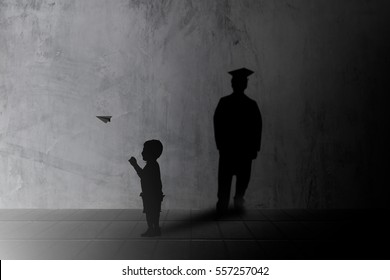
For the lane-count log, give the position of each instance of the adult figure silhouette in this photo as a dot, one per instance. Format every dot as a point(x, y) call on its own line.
point(237, 130)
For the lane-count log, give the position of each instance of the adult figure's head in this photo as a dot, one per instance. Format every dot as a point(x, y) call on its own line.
point(240, 79)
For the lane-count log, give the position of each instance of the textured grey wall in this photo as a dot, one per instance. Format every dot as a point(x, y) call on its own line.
point(159, 68)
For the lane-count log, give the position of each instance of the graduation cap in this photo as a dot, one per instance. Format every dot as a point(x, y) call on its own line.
point(104, 119)
point(241, 73)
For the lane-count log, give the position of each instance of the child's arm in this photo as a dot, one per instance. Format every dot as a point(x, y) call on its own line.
point(137, 168)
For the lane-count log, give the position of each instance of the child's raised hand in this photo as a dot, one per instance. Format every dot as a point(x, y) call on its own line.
point(133, 161)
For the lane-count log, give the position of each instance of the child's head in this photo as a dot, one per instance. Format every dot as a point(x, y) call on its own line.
point(152, 150)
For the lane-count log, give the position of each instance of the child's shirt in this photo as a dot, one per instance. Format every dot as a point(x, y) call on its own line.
point(151, 180)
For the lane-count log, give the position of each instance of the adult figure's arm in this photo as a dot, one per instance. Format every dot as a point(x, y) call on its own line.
point(258, 128)
point(218, 125)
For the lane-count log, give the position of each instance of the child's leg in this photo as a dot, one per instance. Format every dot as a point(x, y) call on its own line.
point(156, 220)
point(149, 231)
point(149, 220)
point(156, 225)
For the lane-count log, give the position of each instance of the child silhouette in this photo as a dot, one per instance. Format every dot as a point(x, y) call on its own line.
point(151, 185)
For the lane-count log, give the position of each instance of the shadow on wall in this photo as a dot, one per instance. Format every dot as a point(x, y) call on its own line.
point(237, 130)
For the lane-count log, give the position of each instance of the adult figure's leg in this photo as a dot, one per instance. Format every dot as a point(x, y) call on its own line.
point(243, 177)
point(225, 176)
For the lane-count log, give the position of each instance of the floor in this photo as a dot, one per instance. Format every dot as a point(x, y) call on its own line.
point(194, 234)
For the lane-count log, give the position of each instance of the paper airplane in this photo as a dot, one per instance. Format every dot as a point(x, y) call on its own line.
point(104, 119)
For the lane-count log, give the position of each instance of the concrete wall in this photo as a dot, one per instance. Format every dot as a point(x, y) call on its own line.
point(159, 68)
